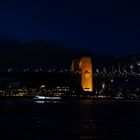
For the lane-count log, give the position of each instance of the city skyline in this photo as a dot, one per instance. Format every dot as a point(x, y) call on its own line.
point(70, 69)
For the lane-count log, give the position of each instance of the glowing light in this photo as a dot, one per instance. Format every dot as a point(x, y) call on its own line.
point(42, 86)
point(50, 98)
point(103, 85)
point(97, 70)
point(40, 102)
point(112, 80)
point(40, 97)
point(86, 73)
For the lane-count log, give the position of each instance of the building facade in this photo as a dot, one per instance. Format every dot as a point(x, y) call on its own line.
point(84, 71)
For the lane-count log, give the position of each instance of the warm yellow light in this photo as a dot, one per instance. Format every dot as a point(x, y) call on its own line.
point(86, 73)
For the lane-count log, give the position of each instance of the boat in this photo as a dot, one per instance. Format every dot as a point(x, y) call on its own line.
point(47, 98)
point(42, 99)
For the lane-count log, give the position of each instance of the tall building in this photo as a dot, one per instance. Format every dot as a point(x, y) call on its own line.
point(85, 70)
point(86, 73)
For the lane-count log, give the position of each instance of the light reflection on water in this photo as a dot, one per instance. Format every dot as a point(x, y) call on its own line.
point(84, 119)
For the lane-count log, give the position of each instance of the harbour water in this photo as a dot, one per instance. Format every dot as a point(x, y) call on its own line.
point(75, 119)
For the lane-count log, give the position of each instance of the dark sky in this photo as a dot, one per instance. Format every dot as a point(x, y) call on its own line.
point(99, 25)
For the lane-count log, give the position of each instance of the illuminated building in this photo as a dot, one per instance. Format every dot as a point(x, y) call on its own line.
point(32, 84)
point(84, 68)
point(53, 83)
point(86, 73)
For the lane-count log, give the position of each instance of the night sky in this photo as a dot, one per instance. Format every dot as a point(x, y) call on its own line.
point(99, 25)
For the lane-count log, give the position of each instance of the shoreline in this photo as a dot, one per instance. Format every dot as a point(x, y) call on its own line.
point(70, 99)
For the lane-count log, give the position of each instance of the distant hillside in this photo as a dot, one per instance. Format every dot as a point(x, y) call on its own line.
point(37, 54)
point(14, 53)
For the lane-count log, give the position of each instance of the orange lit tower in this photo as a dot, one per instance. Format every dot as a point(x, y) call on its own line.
point(86, 73)
point(84, 67)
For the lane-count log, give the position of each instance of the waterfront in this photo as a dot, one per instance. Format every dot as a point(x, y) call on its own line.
point(83, 119)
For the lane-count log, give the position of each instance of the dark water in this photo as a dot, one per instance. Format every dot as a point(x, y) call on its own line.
point(95, 120)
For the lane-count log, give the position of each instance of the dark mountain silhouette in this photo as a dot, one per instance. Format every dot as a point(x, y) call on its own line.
point(15, 53)
point(34, 54)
